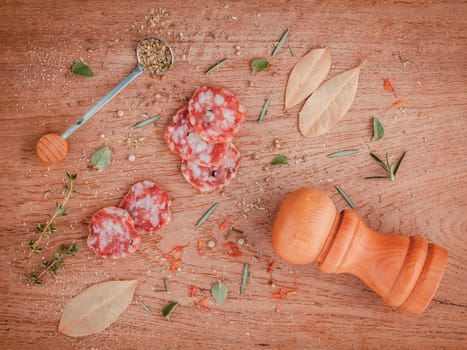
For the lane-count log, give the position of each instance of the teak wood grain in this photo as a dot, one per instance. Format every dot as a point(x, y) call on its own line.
point(421, 46)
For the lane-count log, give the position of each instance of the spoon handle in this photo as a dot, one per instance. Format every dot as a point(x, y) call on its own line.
point(137, 71)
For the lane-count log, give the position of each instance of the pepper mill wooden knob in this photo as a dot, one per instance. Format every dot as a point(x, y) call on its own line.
point(405, 271)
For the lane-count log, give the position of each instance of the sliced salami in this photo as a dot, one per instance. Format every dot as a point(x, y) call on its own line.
point(149, 205)
point(112, 233)
point(182, 139)
point(208, 179)
point(215, 113)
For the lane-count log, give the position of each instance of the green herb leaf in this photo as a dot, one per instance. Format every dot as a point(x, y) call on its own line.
point(281, 159)
point(244, 278)
point(219, 292)
point(259, 64)
point(71, 177)
point(206, 215)
point(101, 158)
point(145, 307)
point(145, 122)
point(264, 111)
point(345, 196)
point(342, 153)
point(215, 66)
point(281, 43)
point(169, 308)
point(378, 130)
point(60, 209)
point(79, 68)
point(387, 166)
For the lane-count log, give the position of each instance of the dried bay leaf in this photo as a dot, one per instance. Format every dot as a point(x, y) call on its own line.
point(306, 76)
point(96, 307)
point(329, 103)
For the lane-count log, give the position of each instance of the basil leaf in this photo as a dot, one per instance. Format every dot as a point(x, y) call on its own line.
point(79, 68)
point(259, 64)
point(169, 308)
point(219, 292)
point(101, 158)
point(378, 130)
point(281, 159)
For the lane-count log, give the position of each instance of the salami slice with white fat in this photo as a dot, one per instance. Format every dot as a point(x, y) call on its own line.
point(182, 139)
point(208, 179)
point(149, 205)
point(112, 233)
point(215, 113)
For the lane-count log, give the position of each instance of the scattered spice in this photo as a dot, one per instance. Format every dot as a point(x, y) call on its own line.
point(174, 264)
point(219, 292)
point(271, 266)
point(281, 159)
point(244, 278)
point(145, 307)
point(193, 291)
point(378, 130)
point(145, 122)
point(342, 153)
point(264, 111)
point(388, 166)
point(345, 196)
point(79, 68)
point(277, 307)
point(396, 104)
point(154, 55)
point(215, 66)
point(232, 249)
point(179, 248)
point(388, 86)
point(201, 304)
point(53, 265)
point(223, 225)
point(283, 293)
point(259, 64)
point(101, 158)
point(281, 43)
point(166, 287)
point(45, 230)
point(169, 308)
point(200, 247)
point(206, 215)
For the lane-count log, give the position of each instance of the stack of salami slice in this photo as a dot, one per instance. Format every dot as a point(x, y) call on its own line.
point(201, 134)
point(115, 231)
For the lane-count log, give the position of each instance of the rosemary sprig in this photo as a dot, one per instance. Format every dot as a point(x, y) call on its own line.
point(264, 111)
point(215, 66)
point(388, 166)
point(45, 230)
point(344, 153)
point(53, 265)
point(145, 307)
point(281, 43)
point(206, 215)
point(244, 278)
point(345, 196)
point(145, 122)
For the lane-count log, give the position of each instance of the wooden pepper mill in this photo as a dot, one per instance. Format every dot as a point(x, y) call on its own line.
point(405, 271)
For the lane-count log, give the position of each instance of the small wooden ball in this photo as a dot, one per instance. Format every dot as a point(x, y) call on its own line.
point(51, 148)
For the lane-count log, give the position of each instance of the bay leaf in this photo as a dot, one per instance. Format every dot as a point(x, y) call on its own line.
point(329, 103)
point(219, 292)
point(96, 307)
point(307, 74)
point(101, 158)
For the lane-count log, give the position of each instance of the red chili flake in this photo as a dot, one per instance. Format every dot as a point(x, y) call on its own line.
point(388, 86)
point(228, 244)
point(290, 292)
point(281, 295)
point(200, 247)
point(398, 103)
point(223, 225)
point(271, 266)
point(201, 303)
point(174, 264)
point(179, 248)
point(234, 251)
point(167, 256)
point(193, 291)
point(277, 308)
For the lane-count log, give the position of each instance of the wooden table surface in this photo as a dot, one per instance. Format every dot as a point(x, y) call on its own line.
point(421, 46)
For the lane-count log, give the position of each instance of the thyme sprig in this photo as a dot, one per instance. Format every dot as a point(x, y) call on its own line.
point(388, 166)
point(46, 229)
point(53, 265)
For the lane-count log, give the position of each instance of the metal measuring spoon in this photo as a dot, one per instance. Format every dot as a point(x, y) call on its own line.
point(52, 148)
